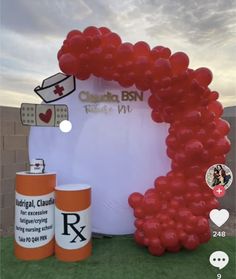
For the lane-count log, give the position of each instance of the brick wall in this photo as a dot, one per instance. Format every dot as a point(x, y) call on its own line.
point(14, 157)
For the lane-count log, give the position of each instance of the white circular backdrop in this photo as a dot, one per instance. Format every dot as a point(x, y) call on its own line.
point(114, 146)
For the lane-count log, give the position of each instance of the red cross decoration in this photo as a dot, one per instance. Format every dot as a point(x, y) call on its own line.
point(58, 90)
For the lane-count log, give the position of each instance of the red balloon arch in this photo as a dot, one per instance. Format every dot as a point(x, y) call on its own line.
point(174, 213)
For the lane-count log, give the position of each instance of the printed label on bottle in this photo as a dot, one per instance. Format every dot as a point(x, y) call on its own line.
point(72, 229)
point(34, 220)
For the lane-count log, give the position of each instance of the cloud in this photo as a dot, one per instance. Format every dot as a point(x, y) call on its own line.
point(43, 17)
point(200, 22)
point(33, 31)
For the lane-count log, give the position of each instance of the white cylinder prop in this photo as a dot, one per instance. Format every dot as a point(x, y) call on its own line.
point(34, 215)
point(73, 234)
point(114, 144)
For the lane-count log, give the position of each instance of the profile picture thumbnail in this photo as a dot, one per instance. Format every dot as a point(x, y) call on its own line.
point(219, 175)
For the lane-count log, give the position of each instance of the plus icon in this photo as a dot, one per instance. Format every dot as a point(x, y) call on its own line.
point(58, 90)
point(219, 191)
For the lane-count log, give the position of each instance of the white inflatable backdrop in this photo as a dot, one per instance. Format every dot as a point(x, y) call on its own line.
point(117, 153)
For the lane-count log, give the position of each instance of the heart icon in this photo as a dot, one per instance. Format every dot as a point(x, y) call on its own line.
point(45, 117)
point(219, 217)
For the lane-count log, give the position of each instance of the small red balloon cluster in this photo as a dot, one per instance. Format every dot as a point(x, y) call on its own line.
point(173, 214)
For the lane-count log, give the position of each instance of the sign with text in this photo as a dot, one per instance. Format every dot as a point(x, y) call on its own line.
point(34, 220)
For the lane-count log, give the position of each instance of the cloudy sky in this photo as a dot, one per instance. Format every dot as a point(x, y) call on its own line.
point(32, 32)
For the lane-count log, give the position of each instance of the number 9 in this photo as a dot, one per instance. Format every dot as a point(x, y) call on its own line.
point(219, 276)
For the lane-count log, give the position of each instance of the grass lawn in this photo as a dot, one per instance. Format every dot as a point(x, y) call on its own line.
point(120, 257)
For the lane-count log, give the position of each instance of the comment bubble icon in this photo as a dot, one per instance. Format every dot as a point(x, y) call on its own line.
point(219, 259)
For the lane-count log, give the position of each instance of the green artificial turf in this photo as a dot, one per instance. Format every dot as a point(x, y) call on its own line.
point(120, 257)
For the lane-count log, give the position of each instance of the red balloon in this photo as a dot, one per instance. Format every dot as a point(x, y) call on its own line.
point(148, 75)
point(223, 126)
point(95, 55)
point(146, 241)
point(184, 134)
point(155, 242)
point(163, 218)
point(84, 60)
point(139, 224)
point(182, 236)
point(60, 53)
point(93, 42)
point(189, 229)
point(91, 31)
point(150, 193)
point(68, 64)
point(77, 44)
point(203, 76)
point(174, 204)
point(139, 212)
point(198, 208)
point(193, 187)
point(141, 85)
point(171, 224)
point(165, 53)
point(104, 30)
point(161, 183)
point(156, 251)
point(192, 221)
point(214, 96)
point(171, 141)
point(153, 102)
point(125, 81)
point(169, 238)
point(160, 52)
point(174, 249)
point(202, 225)
point(222, 146)
point(135, 199)
point(216, 107)
point(192, 117)
point(141, 49)
point(183, 214)
point(156, 117)
point(179, 62)
point(162, 68)
point(177, 186)
point(112, 39)
point(151, 205)
point(83, 74)
point(108, 60)
point(201, 134)
point(193, 147)
point(125, 51)
point(191, 242)
point(205, 237)
point(141, 64)
point(151, 228)
point(73, 33)
point(212, 204)
point(139, 237)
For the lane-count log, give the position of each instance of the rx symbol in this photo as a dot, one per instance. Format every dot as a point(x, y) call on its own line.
point(68, 224)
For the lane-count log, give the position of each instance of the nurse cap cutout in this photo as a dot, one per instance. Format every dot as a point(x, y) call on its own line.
point(55, 87)
point(174, 212)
